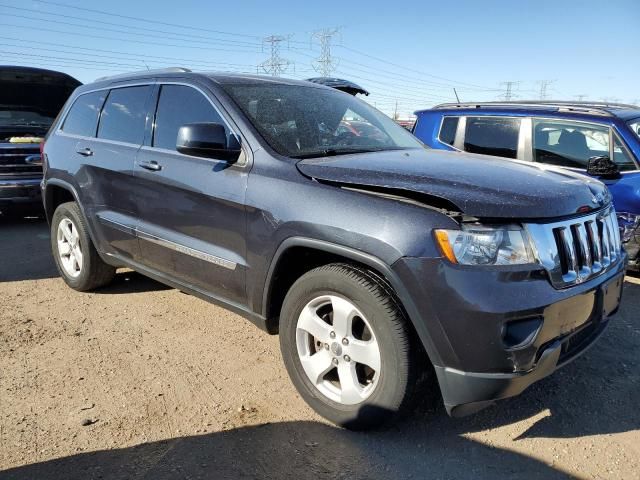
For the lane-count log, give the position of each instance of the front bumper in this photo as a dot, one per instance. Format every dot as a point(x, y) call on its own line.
point(20, 193)
point(464, 316)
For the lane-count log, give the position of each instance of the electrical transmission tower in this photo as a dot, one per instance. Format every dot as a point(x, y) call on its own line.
point(544, 85)
point(580, 97)
point(325, 64)
point(508, 94)
point(275, 65)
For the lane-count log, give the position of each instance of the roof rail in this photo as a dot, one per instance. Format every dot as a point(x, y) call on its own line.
point(578, 107)
point(144, 72)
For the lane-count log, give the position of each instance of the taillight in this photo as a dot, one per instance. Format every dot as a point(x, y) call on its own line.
point(42, 147)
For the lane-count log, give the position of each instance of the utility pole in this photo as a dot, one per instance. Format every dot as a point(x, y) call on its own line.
point(580, 97)
point(325, 64)
point(395, 111)
point(275, 65)
point(544, 85)
point(508, 94)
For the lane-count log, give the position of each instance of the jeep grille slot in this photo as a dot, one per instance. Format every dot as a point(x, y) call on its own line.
point(576, 250)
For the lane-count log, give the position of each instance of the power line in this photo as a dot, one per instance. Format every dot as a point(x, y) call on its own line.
point(228, 43)
point(146, 56)
point(146, 20)
point(325, 64)
point(93, 21)
point(275, 65)
point(413, 70)
point(128, 41)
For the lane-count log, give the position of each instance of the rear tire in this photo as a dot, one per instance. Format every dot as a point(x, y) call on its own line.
point(360, 372)
point(76, 258)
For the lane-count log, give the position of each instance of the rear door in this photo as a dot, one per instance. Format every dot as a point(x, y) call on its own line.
point(106, 174)
point(192, 223)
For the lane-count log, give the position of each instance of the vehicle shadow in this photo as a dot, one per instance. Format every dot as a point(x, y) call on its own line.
point(129, 281)
point(25, 250)
point(297, 450)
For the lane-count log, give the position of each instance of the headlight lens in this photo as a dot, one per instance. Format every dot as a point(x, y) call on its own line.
point(479, 245)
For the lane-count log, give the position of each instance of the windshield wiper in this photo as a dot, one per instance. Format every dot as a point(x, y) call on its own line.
point(333, 152)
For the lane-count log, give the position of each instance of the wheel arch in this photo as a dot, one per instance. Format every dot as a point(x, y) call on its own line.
point(319, 252)
point(57, 192)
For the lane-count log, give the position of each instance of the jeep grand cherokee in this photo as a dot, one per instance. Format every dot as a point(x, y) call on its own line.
point(377, 260)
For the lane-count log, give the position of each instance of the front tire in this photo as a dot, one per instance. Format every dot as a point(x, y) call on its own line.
point(76, 258)
point(347, 346)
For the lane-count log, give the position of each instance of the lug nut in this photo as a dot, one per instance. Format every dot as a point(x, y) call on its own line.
point(334, 361)
point(326, 346)
point(345, 341)
point(347, 358)
point(332, 334)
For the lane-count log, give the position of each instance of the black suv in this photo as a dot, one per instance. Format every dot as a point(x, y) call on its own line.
point(377, 260)
point(30, 99)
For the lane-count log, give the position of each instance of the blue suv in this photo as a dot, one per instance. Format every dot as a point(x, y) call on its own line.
point(577, 136)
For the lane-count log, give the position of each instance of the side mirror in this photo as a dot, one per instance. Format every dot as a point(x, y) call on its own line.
point(207, 140)
point(603, 167)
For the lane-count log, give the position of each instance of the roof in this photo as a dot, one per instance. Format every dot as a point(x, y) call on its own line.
point(218, 77)
point(592, 109)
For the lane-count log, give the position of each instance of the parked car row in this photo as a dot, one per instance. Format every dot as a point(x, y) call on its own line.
point(378, 261)
point(567, 135)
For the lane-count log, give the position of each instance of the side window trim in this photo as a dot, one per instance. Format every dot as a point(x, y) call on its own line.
point(444, 117)
point(616, 138)
point(60, 126)
point(574, 122)
point(151, 86)
point(458, 141)
point(462, 128)
point(246, 156)
point(525, 141)
point(201, 92)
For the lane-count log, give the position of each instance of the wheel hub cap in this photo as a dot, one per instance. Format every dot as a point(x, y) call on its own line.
point(324, 360)
point(69, 249)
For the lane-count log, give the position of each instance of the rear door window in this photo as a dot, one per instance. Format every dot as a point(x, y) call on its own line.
point(448, 130)
point(492, 136)
point(177, 106)
point(572, 144)
point(124, 115)
point(82, 118)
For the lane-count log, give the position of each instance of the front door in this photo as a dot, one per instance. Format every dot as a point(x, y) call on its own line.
point(191, 209)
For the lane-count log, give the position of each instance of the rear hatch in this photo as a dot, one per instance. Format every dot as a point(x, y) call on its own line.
point(30, 99)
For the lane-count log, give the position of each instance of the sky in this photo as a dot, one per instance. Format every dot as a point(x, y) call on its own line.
point(409, 55)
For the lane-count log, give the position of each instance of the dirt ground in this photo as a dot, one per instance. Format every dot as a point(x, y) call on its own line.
point(142, 381)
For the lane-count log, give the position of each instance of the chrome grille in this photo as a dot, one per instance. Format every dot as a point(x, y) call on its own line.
point(575, 250)
point(13, 160)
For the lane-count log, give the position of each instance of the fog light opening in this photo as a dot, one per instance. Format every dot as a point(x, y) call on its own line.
point(519, 334)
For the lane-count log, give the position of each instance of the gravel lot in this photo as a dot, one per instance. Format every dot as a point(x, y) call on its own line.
point(142, 381)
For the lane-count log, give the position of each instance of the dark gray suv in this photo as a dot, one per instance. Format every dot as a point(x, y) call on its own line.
point(379, 261)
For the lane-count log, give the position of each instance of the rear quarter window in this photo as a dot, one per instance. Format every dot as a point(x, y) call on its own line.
point(492, 136)
point(82, 118)
point(448, 130)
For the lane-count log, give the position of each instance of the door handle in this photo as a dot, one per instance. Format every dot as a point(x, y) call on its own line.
point(85, 152)
point(150, 165)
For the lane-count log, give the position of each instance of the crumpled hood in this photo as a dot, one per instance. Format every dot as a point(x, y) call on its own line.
point(478, 185)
